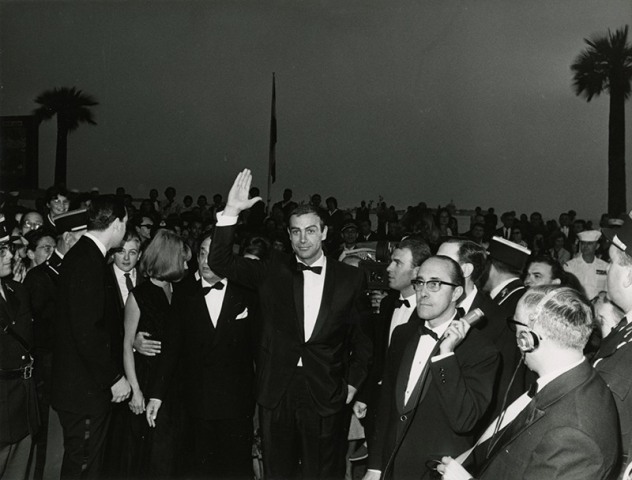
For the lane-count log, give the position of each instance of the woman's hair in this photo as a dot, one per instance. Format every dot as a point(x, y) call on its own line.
point(165, 257)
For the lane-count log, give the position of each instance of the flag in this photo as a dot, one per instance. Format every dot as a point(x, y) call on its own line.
point(273, 135)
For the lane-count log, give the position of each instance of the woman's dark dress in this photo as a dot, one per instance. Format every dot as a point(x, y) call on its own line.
point(153, 451)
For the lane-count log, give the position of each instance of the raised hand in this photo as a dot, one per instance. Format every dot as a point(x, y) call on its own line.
point(238, 200)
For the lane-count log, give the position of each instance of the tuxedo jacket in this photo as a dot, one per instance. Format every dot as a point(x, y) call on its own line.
point(18, 402)
point(569, 431)
point(87, 350)
point(41, 285)
point(613, 362)
point(215, 363)
point(448, 401)
point(379, 329)
point(495, 327)
point(338, 352)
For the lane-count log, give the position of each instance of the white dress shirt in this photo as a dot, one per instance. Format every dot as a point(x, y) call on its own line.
point(402, 314)
point(120, 280)
point(466, 303)
point(422, 355)
point(214, 299)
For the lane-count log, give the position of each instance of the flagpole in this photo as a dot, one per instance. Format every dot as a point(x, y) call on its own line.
point(273, 139)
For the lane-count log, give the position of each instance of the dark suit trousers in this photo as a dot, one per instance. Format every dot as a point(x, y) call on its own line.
point(84, 444)
point(294, 430)
point(222, 448)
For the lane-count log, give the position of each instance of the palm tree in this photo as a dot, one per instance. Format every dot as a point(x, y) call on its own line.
point(72, 109)
point(606, 66)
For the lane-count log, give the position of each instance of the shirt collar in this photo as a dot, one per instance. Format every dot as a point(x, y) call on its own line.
point(97, 242)
point(120, 273)
point(549, 377)
point(198, 277)
point(61, 255)
point(466, 303)
point(495, 291)
point(318, 263)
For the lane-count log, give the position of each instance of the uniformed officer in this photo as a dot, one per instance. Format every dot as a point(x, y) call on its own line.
point(18, 408)
point(589, 270)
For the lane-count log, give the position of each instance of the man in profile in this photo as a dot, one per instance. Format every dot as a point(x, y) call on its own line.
point(87, 352)
point(314, 353)
point(565, 427)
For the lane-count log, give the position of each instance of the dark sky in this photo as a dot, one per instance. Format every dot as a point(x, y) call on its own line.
point(426, 100)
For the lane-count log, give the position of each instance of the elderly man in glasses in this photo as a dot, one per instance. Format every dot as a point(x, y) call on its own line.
point(438, 380)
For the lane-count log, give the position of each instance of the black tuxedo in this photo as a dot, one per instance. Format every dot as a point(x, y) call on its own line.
point(495, 327)
point(612, 361)
point(87, 356)
point(215, 366)
point(567, 432)
point(336, 355)
point(449, 399)
point(379, 331)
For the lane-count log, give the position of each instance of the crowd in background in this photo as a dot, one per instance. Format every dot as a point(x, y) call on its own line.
point(159, 265)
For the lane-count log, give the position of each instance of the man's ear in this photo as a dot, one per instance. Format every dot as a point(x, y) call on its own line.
point(467, 269)
point(458, 292)
point(324, 235)
point(627, 280)
point(30, 254)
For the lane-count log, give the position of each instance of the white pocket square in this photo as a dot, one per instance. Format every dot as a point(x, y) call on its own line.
point(243, 314)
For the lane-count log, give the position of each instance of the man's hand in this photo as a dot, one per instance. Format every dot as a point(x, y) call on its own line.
point(372, 475)
point(351, 391)
point(454, 335)
point(359, 408)
point(450, 469)
point(238, 200)
point(152, 411)
point(376, 298)
point(120, 390)
point(149, 348)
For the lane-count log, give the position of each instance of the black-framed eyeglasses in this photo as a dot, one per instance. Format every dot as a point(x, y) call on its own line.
point(513, 323)
point(147, 225)
point(431, 285)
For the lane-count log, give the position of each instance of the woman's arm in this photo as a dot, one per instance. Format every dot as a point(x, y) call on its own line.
point(132, 315)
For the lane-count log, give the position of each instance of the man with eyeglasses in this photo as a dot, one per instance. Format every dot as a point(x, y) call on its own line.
point(18, 408)
point(41, 245)
point(438, 380)
point(145, 228)
point(30, 221)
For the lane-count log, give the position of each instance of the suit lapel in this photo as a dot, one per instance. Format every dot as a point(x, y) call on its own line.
point(230, 308)
point(611, 343)
point(297, 287)
point(328, 294)
point(536, 409)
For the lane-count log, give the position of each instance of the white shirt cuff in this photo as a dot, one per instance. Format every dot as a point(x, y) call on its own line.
point(225, 220)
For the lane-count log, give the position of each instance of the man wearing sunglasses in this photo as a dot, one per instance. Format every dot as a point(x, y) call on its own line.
point(438, 380)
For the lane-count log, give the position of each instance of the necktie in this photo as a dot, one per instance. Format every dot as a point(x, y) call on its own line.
point(301, 267)
point(215, 286)
point(128, 282)
point(423, 330)
point(399, 302)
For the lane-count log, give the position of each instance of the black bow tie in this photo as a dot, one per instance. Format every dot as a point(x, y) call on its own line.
point(533, 389)
point(301, 267)
point(423, 330)
point(215, 286)
point(399, 302)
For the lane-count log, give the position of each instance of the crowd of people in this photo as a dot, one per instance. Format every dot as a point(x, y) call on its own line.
point(168, 340)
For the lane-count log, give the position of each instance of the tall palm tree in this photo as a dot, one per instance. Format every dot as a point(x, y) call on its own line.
point(72, 109)
point(606, 66)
